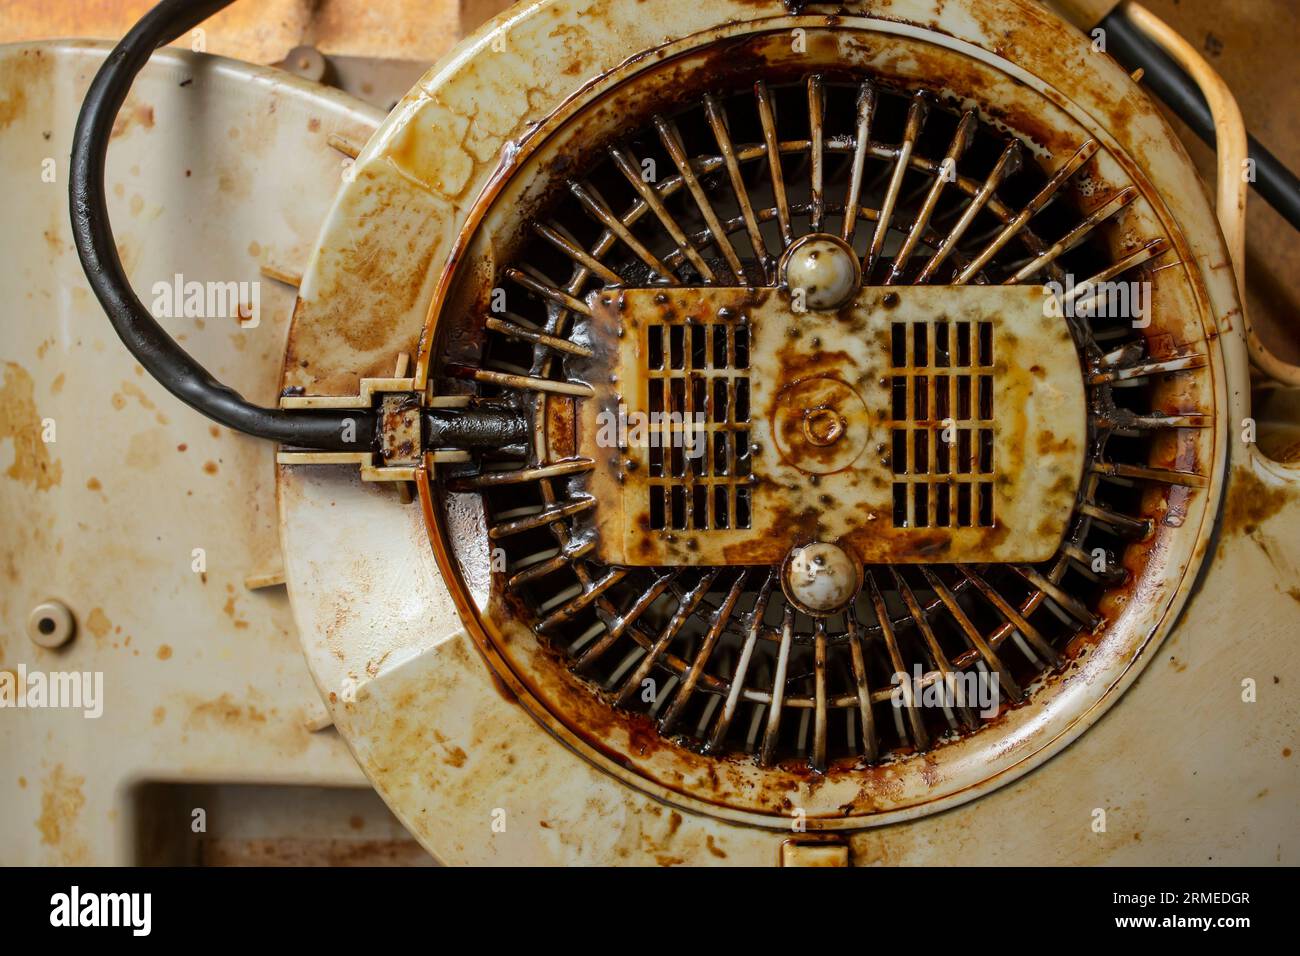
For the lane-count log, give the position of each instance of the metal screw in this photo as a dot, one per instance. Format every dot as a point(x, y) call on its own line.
point(821, 578)
point(51, 624)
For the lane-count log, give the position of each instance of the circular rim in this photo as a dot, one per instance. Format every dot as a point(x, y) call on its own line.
point(488, 632)
point(340, 634)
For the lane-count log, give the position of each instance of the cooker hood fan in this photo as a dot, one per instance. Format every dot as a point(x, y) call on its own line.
point(705, 566)
point(727, 362)
point(922, 467)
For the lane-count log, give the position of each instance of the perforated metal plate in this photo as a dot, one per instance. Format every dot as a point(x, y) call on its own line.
point(913, 425)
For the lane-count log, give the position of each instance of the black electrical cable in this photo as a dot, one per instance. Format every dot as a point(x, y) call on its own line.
point(158, 352)
point(1128, 45)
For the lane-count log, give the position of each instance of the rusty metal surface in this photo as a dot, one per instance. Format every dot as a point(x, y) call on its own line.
point(705, 766)
point(417, 184)
point(674, 495)
point(216, 169)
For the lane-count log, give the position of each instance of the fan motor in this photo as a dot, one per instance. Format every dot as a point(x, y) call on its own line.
point(860, 362)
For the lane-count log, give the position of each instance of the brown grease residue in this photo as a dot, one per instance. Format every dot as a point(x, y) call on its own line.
point(61, 804)
point(21, 422)
point(18, 75)
point(226, 710)
point(453, 756)
point(97, 623)
point(1251, 502)
point(132, 115)
point(229, 609)
point(132, 390)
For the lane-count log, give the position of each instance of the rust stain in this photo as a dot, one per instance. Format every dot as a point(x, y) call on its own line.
point(229, 609)
point(1251, 502)
point(18, 75)
point(132, 390)
point(132, 115)
point(14, 106)
point(227, 711)
point(164, 652)
point(21, 422)
point(62, 801)
point(453, 756)
point(97, 623)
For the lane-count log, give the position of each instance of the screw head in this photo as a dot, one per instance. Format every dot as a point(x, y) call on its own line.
point(823, 426)
point(826, 268)
point(51, 624)
point(821, 578)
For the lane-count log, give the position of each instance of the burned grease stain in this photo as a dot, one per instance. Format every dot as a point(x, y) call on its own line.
point(21, 423)
point(1250, 502)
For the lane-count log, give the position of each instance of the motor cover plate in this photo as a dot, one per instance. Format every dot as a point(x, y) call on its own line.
point(913, 425)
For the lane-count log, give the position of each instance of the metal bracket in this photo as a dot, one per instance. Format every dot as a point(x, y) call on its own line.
point(400, 455)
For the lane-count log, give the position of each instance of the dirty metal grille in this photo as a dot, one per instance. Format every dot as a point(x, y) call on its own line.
point(941, 390)
point(690, 368)
point(715, 655)
point(821, 437)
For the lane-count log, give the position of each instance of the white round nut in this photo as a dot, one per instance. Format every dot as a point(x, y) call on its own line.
point(821, 578)
point(50, 624)
point(825, 268)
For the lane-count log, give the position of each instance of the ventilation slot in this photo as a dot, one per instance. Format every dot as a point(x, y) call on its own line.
point(941, 401)
point(697, 406)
